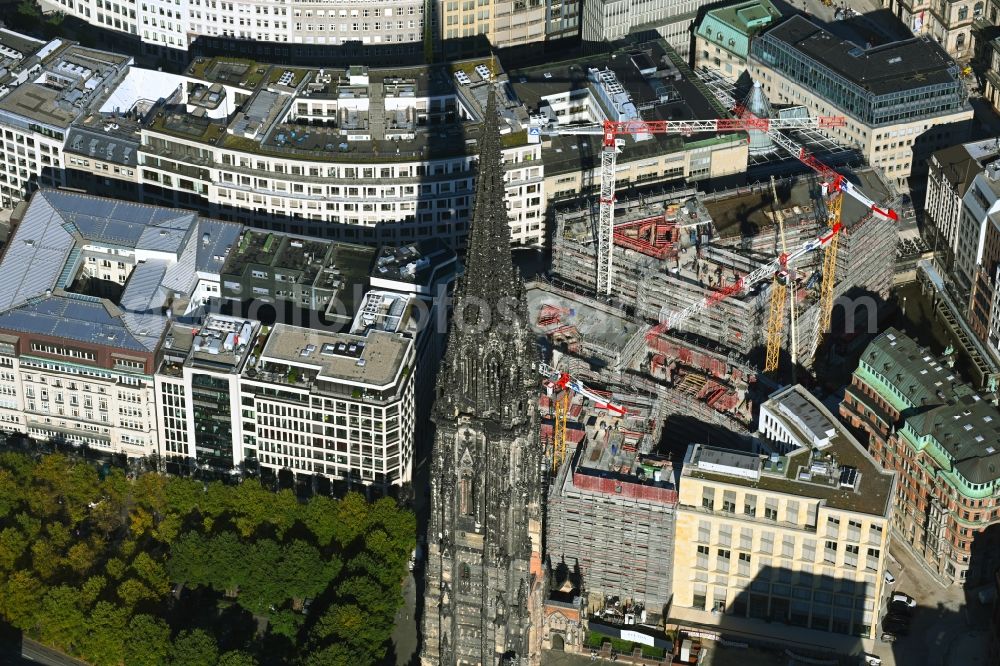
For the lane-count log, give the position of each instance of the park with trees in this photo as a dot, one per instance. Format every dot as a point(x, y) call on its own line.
point(157, 570)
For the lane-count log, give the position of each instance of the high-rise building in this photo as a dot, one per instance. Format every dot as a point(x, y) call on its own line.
point(941, 437)
point(484, 568)
point(901, 100)
point(799, 535)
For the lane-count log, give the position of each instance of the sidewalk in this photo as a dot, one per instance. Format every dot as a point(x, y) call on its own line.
point(783, 635)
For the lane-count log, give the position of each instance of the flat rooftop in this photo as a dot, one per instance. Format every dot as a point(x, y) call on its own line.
point(672, 93)
point(421, 263)
point(374, 360)
point(309, 262)
point(895, 67)
point(841, 473)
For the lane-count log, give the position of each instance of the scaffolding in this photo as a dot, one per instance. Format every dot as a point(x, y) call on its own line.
point(678, 249)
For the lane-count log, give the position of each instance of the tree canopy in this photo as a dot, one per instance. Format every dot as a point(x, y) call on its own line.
point(158, 570)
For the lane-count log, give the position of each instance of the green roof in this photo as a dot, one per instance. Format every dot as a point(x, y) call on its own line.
point(939, 412)
point(745, 17)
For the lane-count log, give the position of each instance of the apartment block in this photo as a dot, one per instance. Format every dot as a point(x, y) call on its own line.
point(722, 38)
point(902, 100)
point(798, 535)
point(940, 436)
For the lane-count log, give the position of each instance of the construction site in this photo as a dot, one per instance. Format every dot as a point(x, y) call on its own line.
point(669, 315)
point(675, 250)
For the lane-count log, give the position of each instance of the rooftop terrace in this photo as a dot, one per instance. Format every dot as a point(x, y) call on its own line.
point(840, 473)
point(373, 361)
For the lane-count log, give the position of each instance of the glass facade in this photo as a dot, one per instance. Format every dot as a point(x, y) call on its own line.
point(213, 430)
point(871, 109)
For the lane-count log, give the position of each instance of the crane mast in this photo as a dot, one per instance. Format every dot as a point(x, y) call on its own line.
point(567, 384)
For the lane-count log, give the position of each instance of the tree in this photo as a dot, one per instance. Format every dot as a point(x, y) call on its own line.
point(320, 517)
point(103, 642)
point(140, 521)
point(115, 568)
point(12, 546)
point(19, 601)
point(352, 518)
point(237, 658)
point(91, 590)
point(61, 622)
point(132, 591)
point(152, 573)
point(183, 495)
point(194, 648)
point(81, 557)
point(302, 571)
point(10, 493)
point(44, 558)
point(331, 655)
point(148, 641)
point(286, 623)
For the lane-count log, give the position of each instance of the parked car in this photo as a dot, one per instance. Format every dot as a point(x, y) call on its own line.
point(905, 599)
point(888, 638)
point(897, 628)
point(889, 578)
point(872, 660)
point(900, 608)
point(897, 617)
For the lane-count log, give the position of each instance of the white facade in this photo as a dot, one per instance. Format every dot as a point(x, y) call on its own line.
point(980, 203)
point(359, 427)
point(108, 410)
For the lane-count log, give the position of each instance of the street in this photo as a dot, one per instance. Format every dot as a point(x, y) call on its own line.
point(949, 625)
point(39, 654)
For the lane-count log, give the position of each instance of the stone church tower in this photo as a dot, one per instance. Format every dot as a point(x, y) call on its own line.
point(484, 565)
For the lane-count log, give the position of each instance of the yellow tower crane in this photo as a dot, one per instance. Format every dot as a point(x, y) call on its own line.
point(559, 429)
point(829, 269)
point(779, 293)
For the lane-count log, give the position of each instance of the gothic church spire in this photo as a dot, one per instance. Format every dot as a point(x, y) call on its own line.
point(487, 369)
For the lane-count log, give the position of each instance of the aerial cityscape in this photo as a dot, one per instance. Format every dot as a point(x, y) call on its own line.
point(500, 332)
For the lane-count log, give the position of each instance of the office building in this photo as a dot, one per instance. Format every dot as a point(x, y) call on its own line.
point(950, 173)
point(371, 156)
point(79, 366)
point(949, 22)
point(611, 510)
point(798, 535)
point(661, 267)
point(44, 89)
point(395, 29)
point(613, 20)
point(115, 335)
point(722, 37)
point(646, 80)
point(901, 100)
point(940, 436)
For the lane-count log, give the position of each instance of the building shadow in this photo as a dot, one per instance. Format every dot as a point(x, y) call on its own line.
point(781, 614)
